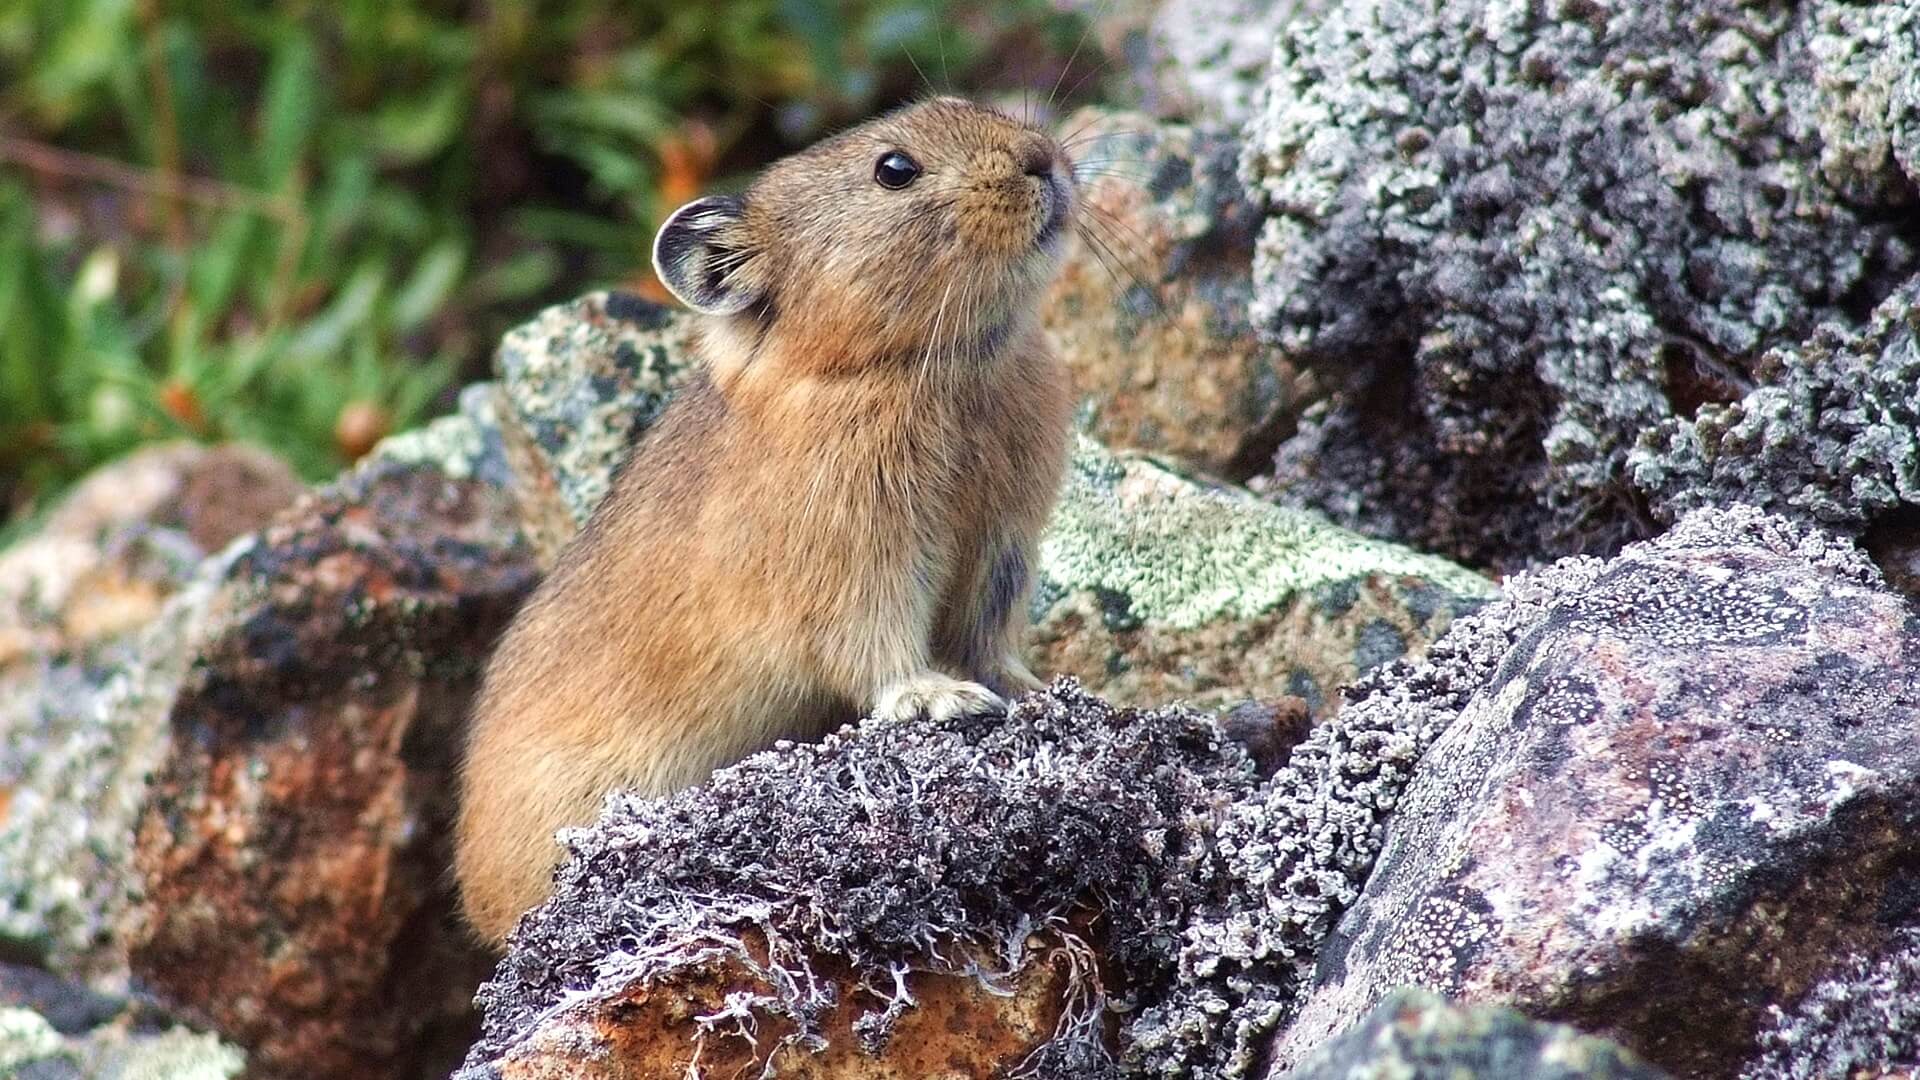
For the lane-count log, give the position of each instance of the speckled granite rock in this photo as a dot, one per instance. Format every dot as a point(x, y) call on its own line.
point(1514, 238)
point(1151, 587)
point(1415, 1035)
point(1862, 1021)
point(293, 848)
point(1691, 786)
point(1150, 311)
point(74, 598)
point(51, 1029)
point(577, 384)
point(891, 869)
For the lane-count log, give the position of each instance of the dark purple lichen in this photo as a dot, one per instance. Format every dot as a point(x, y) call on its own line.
point(892, 848)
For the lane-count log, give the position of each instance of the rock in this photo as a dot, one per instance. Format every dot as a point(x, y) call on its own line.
point(1152, 587)
point(124, 540)
point(1291, 857)
point(244, 806)
point(1414, 1035)
point(1150, 308)
point(577, 385)
point(720, 1013)
point(855, 907)
point(51, 1029)
point(1689, 787)
point(1832, 435)
point(74, 598)
point(1512, 239)
point(1861, 1021)
point(294, 844)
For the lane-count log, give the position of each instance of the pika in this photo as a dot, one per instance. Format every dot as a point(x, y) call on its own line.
point(837, 516)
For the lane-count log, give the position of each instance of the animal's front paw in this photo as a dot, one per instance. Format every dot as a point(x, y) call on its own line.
point(937, 697)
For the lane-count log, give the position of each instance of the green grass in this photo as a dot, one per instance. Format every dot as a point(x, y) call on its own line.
point(301, 223)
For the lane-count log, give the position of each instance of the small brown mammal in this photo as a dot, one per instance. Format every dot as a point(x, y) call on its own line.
point(837, 517)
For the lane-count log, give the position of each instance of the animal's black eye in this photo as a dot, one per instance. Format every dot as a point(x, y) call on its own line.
point(895, 170)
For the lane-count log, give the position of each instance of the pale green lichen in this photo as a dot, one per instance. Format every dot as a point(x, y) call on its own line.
point(175, 1054)
point(25, 1037)
point(1186, 555)
point(465, 445)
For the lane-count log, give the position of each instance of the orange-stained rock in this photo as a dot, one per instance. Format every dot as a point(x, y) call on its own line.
point(292, 854)
point(958, 1029)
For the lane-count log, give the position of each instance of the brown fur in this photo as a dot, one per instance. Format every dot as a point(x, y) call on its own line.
point(836, 518)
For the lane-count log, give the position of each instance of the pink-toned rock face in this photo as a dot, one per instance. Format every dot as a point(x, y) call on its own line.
point(1686, 792)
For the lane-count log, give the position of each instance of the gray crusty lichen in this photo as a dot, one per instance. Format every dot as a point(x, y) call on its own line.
point(1863, 1020)
point(1832, 435)
point(1296, 855)
point(1517, 236)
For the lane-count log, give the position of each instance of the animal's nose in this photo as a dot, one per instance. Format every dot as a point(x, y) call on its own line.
point(1037, 160)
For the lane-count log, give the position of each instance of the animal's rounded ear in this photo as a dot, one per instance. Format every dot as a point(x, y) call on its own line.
point(698, 252)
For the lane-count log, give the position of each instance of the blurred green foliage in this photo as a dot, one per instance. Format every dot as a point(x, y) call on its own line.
point(299, 223)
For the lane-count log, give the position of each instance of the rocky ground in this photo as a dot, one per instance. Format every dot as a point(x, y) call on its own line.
point(1618, 302)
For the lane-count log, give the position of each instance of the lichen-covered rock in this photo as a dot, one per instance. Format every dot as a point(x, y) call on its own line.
point(293, 846)
point(1831, 435)
point(577, 385)
point(1155, 587)
point(1513, 238)
point(1151, 587)
point(52, 1029)
point(1415, 1035)
point(1149, 312)
point(1296, 854)
point(839, 888)
point(1690, 787)
point(75, 596)
point(1862, 1021)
